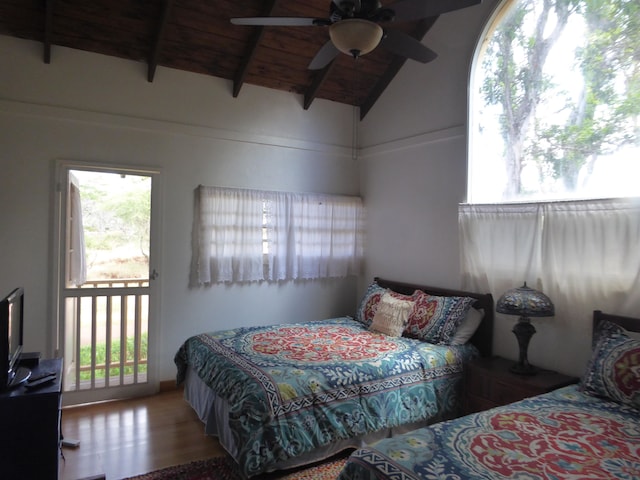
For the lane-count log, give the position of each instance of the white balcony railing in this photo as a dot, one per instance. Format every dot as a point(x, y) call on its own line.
point(106, 325)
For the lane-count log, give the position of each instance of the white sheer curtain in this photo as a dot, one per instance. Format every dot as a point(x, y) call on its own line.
point(228, 232)
point(592, 255)
point(584, 255)
point(306, 236)
point(500, 246)
point(313, 236)
point(77, 271)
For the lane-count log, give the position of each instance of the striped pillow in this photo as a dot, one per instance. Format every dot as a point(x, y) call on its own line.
point(391, 315)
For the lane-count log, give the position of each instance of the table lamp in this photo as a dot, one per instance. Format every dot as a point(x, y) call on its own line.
point(524, 302)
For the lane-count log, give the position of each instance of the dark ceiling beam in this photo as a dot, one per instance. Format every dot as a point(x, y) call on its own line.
point(318, 80)
point(383, 82)
point(48, 30)
point(255, 40)
point(157, 43)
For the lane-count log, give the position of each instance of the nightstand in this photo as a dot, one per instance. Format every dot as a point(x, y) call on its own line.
point(489, 383)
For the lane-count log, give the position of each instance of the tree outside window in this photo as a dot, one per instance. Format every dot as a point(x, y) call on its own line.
point(555, 102)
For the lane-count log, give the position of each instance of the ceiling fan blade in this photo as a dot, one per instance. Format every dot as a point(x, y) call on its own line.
point(405, 45)
point(327, 53)
point(417, 9)
point(279, 21)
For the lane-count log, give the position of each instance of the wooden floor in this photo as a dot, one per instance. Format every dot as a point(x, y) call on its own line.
point(129, 437)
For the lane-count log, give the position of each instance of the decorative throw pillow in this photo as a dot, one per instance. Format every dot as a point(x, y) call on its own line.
point(436, 319)
point(613, 372)
point(402, 296)
point(468, 326)
point(369, 304)
point(391, 315)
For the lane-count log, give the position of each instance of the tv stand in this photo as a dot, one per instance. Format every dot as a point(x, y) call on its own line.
point(20, 376)
point(30, 427)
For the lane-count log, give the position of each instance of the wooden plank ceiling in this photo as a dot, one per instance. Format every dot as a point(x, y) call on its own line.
point(197, 36)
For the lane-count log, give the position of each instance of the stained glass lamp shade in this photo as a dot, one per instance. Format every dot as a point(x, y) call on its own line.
point(524, 302)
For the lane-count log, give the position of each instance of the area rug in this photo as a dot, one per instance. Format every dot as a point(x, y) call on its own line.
point(224, 468)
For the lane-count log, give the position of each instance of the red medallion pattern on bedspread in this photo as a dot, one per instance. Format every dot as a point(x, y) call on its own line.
point(330, 344)
point(564, 435)
point(292, 388)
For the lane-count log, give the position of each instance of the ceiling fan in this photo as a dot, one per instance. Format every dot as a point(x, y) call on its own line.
point(354, 27)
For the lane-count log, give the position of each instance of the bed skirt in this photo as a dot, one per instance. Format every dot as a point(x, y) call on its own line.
point(213, 412)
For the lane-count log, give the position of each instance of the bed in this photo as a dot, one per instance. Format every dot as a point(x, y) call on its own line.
point(290, 394)
point(589, 430)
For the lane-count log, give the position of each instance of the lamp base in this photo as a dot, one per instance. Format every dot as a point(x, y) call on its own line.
point(523, 369)
point(523, 330)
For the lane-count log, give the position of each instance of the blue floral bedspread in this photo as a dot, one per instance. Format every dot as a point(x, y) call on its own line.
point(296, 387)
point(562, 435)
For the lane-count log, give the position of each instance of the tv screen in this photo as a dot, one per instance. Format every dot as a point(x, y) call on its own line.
point(11, 331)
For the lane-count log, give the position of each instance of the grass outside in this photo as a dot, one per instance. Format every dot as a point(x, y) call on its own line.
point(101, 358)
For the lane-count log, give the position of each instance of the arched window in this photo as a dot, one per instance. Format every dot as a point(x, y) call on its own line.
point(555, 115)
point(555, 102)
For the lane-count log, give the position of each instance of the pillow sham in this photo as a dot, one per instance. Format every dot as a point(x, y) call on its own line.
point(369, 304)
point(436, 319)
point(391, 315)
point(468, 326)
point(613, 372)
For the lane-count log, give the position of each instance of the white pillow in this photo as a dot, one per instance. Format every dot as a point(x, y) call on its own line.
point(391, 316)
point(468, 326)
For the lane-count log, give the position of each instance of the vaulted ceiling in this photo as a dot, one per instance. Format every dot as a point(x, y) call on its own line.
point(197, 36)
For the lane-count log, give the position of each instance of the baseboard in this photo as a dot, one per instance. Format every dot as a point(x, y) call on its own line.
point(168, 385)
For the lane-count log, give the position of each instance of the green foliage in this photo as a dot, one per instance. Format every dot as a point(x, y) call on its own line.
point(132, 210)
point(596, 118)
point(101, 357)
point(116, 223)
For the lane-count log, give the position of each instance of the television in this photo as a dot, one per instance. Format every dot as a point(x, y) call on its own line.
point(11, 332)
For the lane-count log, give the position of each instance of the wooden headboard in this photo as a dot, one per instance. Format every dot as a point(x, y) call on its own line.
point(483, 338)
point(628, 323)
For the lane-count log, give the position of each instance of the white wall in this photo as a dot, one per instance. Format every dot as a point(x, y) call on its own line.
point(413, 152)
point(88, 107)
point(411, 192)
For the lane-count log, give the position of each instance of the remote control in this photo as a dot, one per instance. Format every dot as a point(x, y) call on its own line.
point(40, 381)
point(40, 375)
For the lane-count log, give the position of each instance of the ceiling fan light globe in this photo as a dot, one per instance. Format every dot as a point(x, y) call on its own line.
point(355, 35)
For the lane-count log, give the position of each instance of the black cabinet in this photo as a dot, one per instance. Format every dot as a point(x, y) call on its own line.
point(30, 428)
